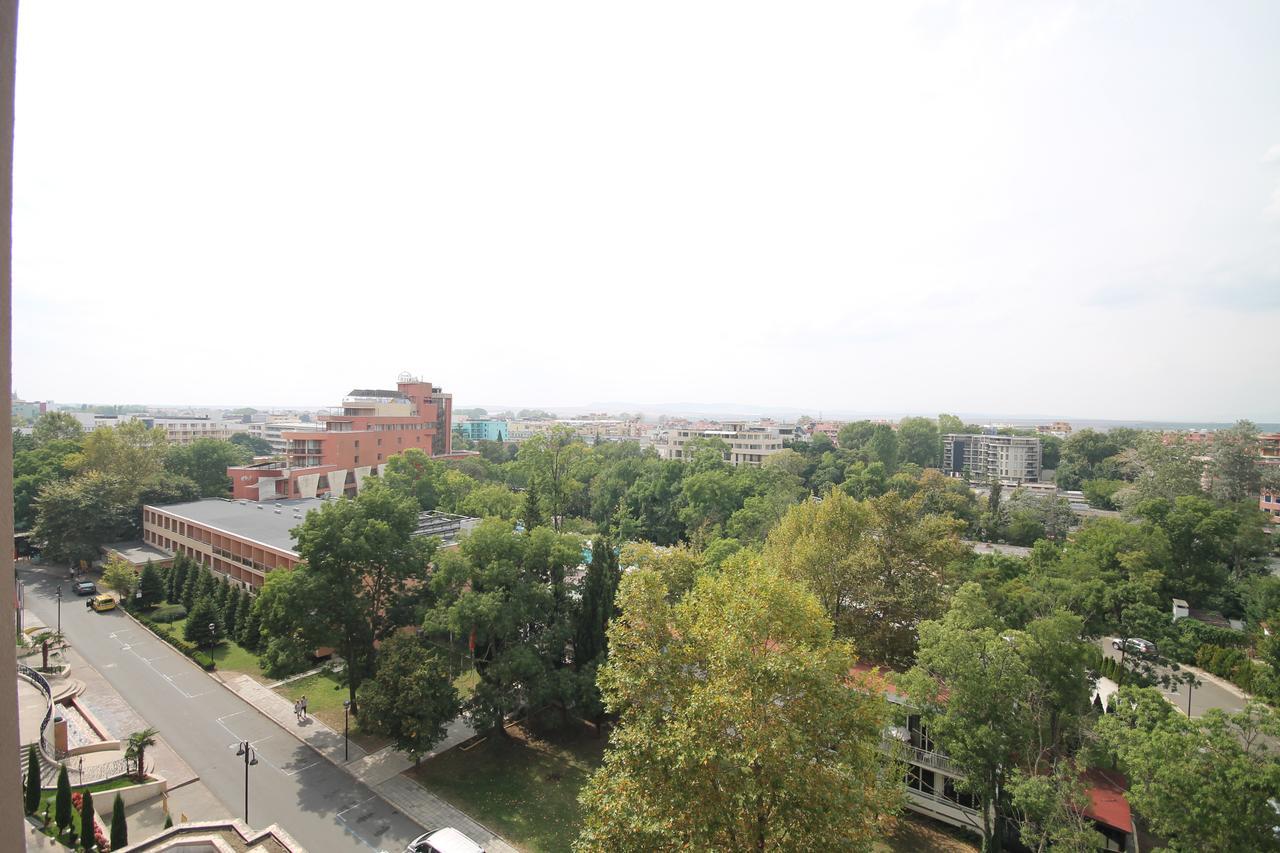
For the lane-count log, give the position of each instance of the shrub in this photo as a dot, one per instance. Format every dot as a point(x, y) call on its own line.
point(169, 613)
point(204, 660)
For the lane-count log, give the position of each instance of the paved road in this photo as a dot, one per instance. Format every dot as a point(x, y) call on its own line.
point(292, 785)
point(1207, 695)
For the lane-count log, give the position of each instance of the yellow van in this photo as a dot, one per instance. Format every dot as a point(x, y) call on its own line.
point(102, 602)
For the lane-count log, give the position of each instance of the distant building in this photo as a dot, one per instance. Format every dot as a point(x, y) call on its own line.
point(371, 426)
point(1269, 451)
point(1011, 459)
point(185, 430)
point(749, 444)
point(24, 410)
point(272, 431)
point(831, 429)
point(483, 430)
point(1057, 429)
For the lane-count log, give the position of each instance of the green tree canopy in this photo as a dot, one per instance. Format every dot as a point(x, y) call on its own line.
point(411, 698)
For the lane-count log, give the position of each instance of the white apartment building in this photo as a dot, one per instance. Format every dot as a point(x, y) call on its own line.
point(749, 444)
point(272, 432)
point(1011, 459)
point(177, 430)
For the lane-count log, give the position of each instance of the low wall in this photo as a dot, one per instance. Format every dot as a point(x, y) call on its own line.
point(100, 746)
point(104, 802)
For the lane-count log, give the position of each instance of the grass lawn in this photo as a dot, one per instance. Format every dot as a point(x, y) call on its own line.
point(229, 656)
point(324, 702)
point(48, 799)
point(915, 833)
point(525, 787)
point(466, 683)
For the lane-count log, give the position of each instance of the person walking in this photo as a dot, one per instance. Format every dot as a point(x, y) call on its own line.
point(297, 710)
point(304, 708)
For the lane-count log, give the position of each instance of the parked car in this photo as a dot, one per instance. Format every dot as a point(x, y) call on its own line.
point(447, 840)
point(86, 588)
point(1134, 644)
point(102, 602)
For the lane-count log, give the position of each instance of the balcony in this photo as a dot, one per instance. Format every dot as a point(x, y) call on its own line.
point(921, 757)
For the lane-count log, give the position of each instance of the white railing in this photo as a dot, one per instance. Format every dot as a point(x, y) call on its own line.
point(46, 745)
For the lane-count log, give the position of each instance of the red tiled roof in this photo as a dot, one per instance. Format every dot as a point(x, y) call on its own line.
point(1107, 803)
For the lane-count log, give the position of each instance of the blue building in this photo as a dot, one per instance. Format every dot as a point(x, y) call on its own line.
point(483, 430)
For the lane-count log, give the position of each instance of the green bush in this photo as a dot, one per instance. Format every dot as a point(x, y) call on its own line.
point(204, 660)
point(168, 613)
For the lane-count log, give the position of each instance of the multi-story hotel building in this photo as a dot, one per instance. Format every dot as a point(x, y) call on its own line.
point(371, 426)
point(1269, 451)
point(273, 432)
point(749, 444)
point(1011, 459)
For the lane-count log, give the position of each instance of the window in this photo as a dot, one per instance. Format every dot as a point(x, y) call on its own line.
point(357, 460)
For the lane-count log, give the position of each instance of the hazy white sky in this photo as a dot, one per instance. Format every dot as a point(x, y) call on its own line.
point(1057, 209)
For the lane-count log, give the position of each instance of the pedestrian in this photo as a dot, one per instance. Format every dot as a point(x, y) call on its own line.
point(297, 710)
point(304, 707)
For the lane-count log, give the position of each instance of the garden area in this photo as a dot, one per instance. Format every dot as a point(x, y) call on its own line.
point(45, 814)
point(228, 655)
point(524, 787)
point(325, 695)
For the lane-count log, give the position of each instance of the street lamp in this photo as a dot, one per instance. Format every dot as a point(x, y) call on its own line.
point(213, 635)
point(59, 608)
point(346, 742)
point(250, 758)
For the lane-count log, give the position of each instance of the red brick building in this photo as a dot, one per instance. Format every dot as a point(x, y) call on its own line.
point(373, 426)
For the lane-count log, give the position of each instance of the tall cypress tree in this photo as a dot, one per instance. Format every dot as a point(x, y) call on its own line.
point(191, 586)
point(88, 837)
point(250, 624)
point(32, 801)
point(119, 828)
point(230, 613)
point(62, 803)
point(177, 579)
point(532, 511)
point(598, 593)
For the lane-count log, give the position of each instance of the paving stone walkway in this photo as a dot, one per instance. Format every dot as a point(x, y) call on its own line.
point(383, 771)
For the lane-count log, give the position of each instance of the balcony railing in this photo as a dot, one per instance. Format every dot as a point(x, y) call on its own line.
point(921, 757)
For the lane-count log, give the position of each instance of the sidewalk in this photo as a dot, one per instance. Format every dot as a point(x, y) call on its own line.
point(383, 771)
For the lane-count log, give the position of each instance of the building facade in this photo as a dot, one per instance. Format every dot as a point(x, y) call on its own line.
point(370, 427)
point(749, 444)
point(185, 430)
point(1011, 459)
point(483, 430)
point(1269, 451)
point(273, 432)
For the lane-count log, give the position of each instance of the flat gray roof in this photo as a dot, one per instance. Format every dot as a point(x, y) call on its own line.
point(138, 553)
point(251, 520)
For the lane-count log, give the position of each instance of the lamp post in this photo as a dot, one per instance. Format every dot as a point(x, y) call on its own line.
point(346, 742)
point(59, 608)
point(213, 636)
point(246, 750)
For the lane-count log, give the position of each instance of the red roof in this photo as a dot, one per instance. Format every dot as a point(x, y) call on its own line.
point(1107, 804)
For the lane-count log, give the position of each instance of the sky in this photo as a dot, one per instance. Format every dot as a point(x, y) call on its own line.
point(1033, 209)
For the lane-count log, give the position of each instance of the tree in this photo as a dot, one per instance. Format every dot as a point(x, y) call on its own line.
point(1237, 474)
point(506, 593)
point(678, 565)
point(76, 517)
point(708, 755)
point(120, 577)
point(599, 590)
point(56, 426)
point(119, 827)
point(191, 587)
point(33, 468)
point(360, 558)
point(550, 457)
point(416, 475)
point(919, 441)
point(966, 685)
point(250, 628)
point(31, 801)
point(883, 447)
point(136, 751)
point(205, 462)
point(203, 613)
point(1203, 783)
point(411, 698)
point(230, 611)
point(130, 452)
point(1050, 808)
point(177, 578)
point(491, 500)
point(62, 801)
point(877, 566)
point(531, 509)
point(151, 584)
point(252, 443)
point(88, 837)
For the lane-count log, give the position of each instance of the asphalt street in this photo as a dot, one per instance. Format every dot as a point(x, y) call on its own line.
point(1207, 695)
point(292, 785)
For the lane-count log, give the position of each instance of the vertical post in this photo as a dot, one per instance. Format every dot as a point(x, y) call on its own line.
point(1189, 686)
point(59, 608)
point(246, 783)
point(346, 742)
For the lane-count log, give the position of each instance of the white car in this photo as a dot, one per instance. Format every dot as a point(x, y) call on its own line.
point(1134, 644)
point(447, 840)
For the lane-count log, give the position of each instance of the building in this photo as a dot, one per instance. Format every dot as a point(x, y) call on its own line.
point(831, 429)
point(215, 836)
point(932, 779)
point(243, 540)
point(749, 444)
point(483, 430)
point(1058, 429)
point(24, 410)
point(1011, 459)
point(272, 431)
point(370, 427)
point(185, 430)
point(1269, 450)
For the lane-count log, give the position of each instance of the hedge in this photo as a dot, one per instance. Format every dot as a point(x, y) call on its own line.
point(189, 649)
point(1235, 666)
